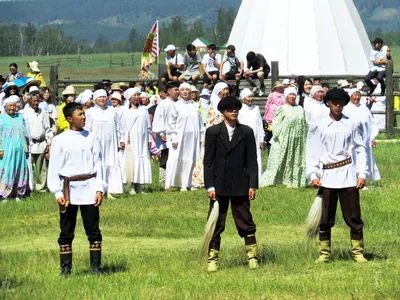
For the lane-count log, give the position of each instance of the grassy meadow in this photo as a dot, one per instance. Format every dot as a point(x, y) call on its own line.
point(151, 245)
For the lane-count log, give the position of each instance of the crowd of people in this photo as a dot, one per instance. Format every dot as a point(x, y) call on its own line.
point(131, 124)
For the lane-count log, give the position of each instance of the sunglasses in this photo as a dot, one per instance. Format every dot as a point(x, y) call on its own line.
point(12, 88)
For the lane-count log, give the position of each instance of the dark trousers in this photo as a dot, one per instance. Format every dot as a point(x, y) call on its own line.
point(90, 218)
point(241, 215)
point(378, 75)
point(350, 203)
point(164, 158)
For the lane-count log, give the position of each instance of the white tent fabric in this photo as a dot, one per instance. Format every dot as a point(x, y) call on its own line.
point(198, 43)
point(307, 37)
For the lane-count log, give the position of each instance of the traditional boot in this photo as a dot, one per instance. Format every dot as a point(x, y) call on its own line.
point(65, 259)
point(251, 253)
point(324, 247)
point(95, 258)
point(213, 260)
point(357, 251)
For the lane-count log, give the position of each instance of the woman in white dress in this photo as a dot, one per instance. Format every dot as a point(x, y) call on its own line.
point(185, 128)
point(362, 114)
point(102, 120)
point(137, 128)
point(250, 115)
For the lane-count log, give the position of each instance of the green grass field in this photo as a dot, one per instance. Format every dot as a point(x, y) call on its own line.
point(151, 245)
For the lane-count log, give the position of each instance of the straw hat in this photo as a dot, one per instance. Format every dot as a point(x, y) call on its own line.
point(116, 96)
point(116, 87)
point(343, 83)
point(30, 82)
point(69, 90)
point(277, 85)
point(34, 66)
point(194, 89)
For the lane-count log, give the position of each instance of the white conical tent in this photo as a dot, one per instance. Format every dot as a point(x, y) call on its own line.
point(306, 37)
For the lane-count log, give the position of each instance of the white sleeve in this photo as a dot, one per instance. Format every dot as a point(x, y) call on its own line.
point(205, 59)
point(101, 185)
point(313, 152)
point(260, 127)
point(218, 58)
point(158, 121)
point(360, 150)
point(54, 182)
point(172, 129)
point(180, 60)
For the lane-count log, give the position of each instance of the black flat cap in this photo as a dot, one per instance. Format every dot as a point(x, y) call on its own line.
point(337, 94)
point(229, 101)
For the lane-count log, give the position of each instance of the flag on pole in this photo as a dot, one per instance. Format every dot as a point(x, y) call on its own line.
point(151, 50)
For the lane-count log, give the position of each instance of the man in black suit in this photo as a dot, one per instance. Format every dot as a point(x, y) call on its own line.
point(231, 174)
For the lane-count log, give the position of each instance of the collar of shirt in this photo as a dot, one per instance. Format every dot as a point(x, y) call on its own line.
point(344, 120)
point(230, 129)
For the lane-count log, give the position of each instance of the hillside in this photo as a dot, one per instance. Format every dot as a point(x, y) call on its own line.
point(88, 18)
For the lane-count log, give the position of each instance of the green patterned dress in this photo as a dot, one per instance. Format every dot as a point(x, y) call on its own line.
point(287, 157)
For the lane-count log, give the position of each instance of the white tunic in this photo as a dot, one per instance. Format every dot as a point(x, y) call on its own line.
point(136, 124)
point(362, 114)
point(76, 153)
point(160, 121)
point(184, 127)
point(39, 127)
point(104, 124)
point(251, 117)
point(315, 111)
point(332, 141)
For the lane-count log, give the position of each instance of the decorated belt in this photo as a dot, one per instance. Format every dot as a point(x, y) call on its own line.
point(338, 164)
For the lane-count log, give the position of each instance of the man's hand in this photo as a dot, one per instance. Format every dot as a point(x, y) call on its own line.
point(209, 76)
point(163, 138)
point(61, 201)
point(47, 152)
point(99, 199)
point(262, 145)
point(149, 145)
point(373, 144)
point(1, 153)
point(212, 195)
point(360, 183)
point(122, 145)
point(175, 145)
point(252, 194)
point(316, 183)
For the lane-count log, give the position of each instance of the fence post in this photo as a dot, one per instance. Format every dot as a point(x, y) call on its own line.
point(133, 60)
point(122, 61)
point(79, 61)
point(274, 73)
point(389, 99)
point(53, 80)
point(110, 60)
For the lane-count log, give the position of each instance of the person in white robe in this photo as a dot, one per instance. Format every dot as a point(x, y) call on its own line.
point(137, 129)
point(316, 108)
point(163, 142)
point(184, 128)
point(250, 115)
point(360, 113)
point(103, 122)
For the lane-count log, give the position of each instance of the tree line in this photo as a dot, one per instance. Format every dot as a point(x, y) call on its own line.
point(28, 40)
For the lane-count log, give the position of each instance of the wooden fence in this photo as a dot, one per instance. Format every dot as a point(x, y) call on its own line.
point(392, 87)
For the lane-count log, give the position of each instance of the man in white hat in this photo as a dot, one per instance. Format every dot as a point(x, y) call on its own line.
point(35, 73)
point(104, 123)
point(174, 63)
point(41, 134)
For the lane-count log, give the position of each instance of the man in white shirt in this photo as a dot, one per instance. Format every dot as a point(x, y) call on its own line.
point(160, 126)
point(174, 63)
point(378, 58)
point(337, 165)
point(76, 179)
point(211, 64)
point(41, 134)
